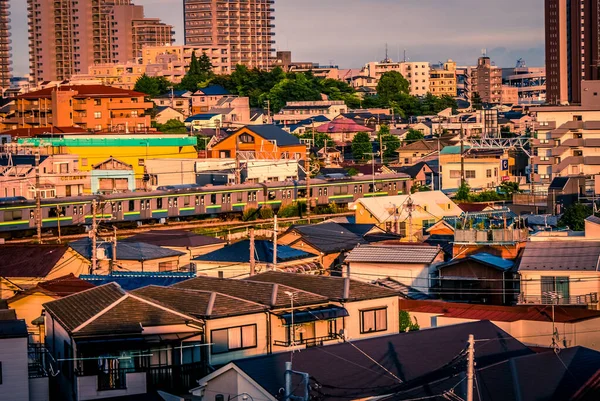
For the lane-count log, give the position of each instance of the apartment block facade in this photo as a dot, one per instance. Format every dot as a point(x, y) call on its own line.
point(572, 47)
point(5, 69)
point(442, 79)
point(244, 27)
point(85, 33)
point(486, 80)
point(416, 73)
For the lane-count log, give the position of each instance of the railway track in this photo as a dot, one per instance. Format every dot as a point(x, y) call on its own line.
point(203, 227)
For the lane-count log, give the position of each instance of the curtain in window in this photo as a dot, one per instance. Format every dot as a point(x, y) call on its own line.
point(235, 338)
point(249, 336)
point(368, 321)
point(381, 319)
point(219, 340)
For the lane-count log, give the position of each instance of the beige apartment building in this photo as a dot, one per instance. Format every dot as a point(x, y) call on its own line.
point(416, 73)
point(181, 55)
point(5, 70)
point(85, 33)
point(442, 79)
point(244, 27)
point(486, 80)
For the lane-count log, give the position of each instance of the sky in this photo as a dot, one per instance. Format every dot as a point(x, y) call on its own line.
point(350, 33)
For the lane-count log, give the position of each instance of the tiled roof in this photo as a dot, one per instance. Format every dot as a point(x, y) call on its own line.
point(29, 260)
point(13, 329)
point(500, 313)
point(76, 309)
point(255, 291)
point(343, 125)
point(328, 237)
point(195, 303)
point(405, 291)
point(8, 314)
point(59, 287)
point(84, 91)
point(558, 183)
point(213, 90)
point(330, 287)
point(200, 117)
point(240, 253)
point(593, 219)
point(176, 238)
point(133, 280)
point(487, 259)
point(125, 250)
point(561, 256)
point(401, 253)
point(274, 133)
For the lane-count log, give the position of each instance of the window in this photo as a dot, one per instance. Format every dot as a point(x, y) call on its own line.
point(12, 215)
point(141, 162)
point(555, 290)
point(97, 114)
point(97, 102)
point(454, 173)
point(168, 266)
point(373, 320)
point(246, 138)
point(213, 199)
point(159, 203)
point(134, 113)
point(234, 338)
point(186, 200)
point(131, 205)
point(488, 173)
point(470, 174)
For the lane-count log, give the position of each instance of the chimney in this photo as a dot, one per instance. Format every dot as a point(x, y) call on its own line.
point(211, 303)
point(220, 272)
point(274, 294)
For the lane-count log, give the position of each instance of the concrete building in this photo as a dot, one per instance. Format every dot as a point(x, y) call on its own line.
point(442, 79)
point(85, 33)
point(572, 47)
point(293, 112)
point(529, 81)
point(243, 27)
point(486, 81)
point(416, 73)
point(91, 107)
point(5, 55)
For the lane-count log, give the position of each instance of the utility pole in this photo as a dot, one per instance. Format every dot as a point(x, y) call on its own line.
point(373, 168)
point(58, 209)
point(313, 133)
point(274, 241)
point(470, 367)
point(93, 235)
point(410, 206)
point(114, 250)
point(38, 200)
point(462, 155)
point(238, 178)
point(381, 146)
point(252, 260)
point(307, 171)
point(268, 111)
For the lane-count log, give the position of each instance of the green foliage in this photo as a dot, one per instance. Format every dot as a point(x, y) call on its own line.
point(574, 216)
point(352, 172)
point(417, 187)
point(266, 213)
point(384, 130)
point(391, 84)
point(361, 144)
point(464, 192)
point(331, 208)
point(391, 143)
point(152, 86)
point(250, 214)
point(172, 126)
point(293, 210)
point(199, 74)
point(485, 196)
point(295, 87)
point(476, 102)
point(508, 188)
point(413, 135)
point(406, 324)
point(320, 138)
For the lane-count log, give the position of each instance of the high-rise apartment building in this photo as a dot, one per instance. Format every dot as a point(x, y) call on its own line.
point(5, 48)
point(572, 47)
point(84, 33)
point(442, 79)
point(244, 26)
point(486, 81)
point(416, 73)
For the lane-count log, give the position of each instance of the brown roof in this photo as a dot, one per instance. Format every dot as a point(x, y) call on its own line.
point(176, 238)
point(8, 314)
point(474, 207)
point(57, 288)
point(255, 291)
point(327, 286)
point(423, 145)
point(31, 132)
point(195, 303)
point(84, 91)
point(24, 260)
point(500, 313)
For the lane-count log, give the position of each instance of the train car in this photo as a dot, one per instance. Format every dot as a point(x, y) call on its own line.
point(191, 201)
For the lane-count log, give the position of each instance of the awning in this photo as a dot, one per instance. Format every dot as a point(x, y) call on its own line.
point(312, 315)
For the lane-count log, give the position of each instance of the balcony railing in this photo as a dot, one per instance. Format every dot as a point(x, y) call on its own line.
point(309, 342)
point(585, 299)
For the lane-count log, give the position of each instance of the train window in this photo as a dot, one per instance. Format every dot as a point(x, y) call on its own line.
point(53, 212)
point(131, 205)
point(395, 186)
point(113, 207)
point(320, 191)
point(176, 202)
point(186, 200)
point(80, 209)
point(119, 206)
point(311, 192)
point(222, 199)
point(302, 193)
point(159, 203)
point(355, 189)
point(228, 198)
point(148, 204)
point(12, 215)
point(271, 195)
point(74, 210)
point(31, 215)
point(325, 191)
point(252, 196)
point(360, 189)
point(197, 200)
point(142, 205)
point(170, 202)
point(213, 199)
point(371, 188)
point(202, 200)
point(289, 194)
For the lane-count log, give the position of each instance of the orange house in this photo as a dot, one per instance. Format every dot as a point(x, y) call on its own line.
point(260, 142)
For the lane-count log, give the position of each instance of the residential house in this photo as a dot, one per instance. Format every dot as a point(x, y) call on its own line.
point(167, 113)
point(408, 264)
point(127, 255)
point(293, 112)
point(200, 121)
point(25, 265)
point(28, 302)
point(363, 369)
point(206, 98)
point(328, 240)
point(187, 242)
point(421, 173)
point(14, 372)
point(180, 100)
point(412, 153)
point(111, 176)
point(391, 213)
point(424, 127)
point(235, 111)
point(236, 260)
point(330, 156)
point(477, 278)
point(259, 142)
point(342, 130)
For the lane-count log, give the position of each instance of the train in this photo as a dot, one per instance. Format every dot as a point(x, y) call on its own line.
point(191, 201)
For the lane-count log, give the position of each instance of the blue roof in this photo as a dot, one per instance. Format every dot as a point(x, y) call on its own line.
point(134, 280)
point(125, 250)
point(452, 150)
point(177, 93)
point(274, 133)
point(317, 119)
point(240, 253)
point(200, 117)
point(214, 90)
point(496, 261)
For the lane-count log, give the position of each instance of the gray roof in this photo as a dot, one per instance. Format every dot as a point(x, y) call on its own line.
point(274, 133)
point(125, 250)
point(176, 238)
point(13, 329)
point(328, 237)
point(593, 219)
point(561, 256)
point(422, 254)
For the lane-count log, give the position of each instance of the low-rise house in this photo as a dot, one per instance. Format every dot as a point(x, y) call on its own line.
point(24, 266)
point(534, 325)
point(236, 261)
point(297, 111)
point(409, 264)
point(206, 98)
point(112, 176)
point(129, 256)
point(14, 367)
point(477, 278)
point(342, 130)
point(167, 113)
point(412, 153)
point(179, 100)
point(187, 242)
point(421, 173)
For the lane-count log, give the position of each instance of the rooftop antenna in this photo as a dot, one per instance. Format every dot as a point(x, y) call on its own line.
point(484, 52)
point(404, 59)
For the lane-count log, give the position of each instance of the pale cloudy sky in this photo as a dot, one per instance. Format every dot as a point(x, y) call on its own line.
point(350, 33)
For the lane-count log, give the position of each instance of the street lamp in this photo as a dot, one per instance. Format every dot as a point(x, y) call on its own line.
point(293, 329)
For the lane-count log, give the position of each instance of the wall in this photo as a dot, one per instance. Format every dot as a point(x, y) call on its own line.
point(15, 374)
point(414, 275)
point(579, 283)
point(171, 172)
point(230, 384)
point(97, 175)
point(39, 389)
point(352, 322)
point(30, 308)
point(87, 387)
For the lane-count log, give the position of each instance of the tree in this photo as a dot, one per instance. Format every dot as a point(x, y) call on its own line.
point(199, 73)
point(476, 102)
point(574, 216)
point(172, 126)
point(508, 188)
point(391, 144)
point(406, 323)
point(464, 192)
point(413, 135)
point(320, 139)
point(391, 84)
point(361, 144)
point(152, 86)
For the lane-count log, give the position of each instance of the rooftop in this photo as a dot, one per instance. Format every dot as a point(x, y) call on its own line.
point(398, 253)
point(21, 260)
point(83, 91)
point(240, 253)
point(561, 256)
point(327, 237)
point(175, 238)
point(126, 250)
point(274, 133)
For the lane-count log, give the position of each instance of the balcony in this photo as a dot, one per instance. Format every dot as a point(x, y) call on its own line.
point(494, 236)
point(551, 299)
point(308, 342)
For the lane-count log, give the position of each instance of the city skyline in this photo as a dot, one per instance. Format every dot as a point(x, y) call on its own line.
point(506, 35)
